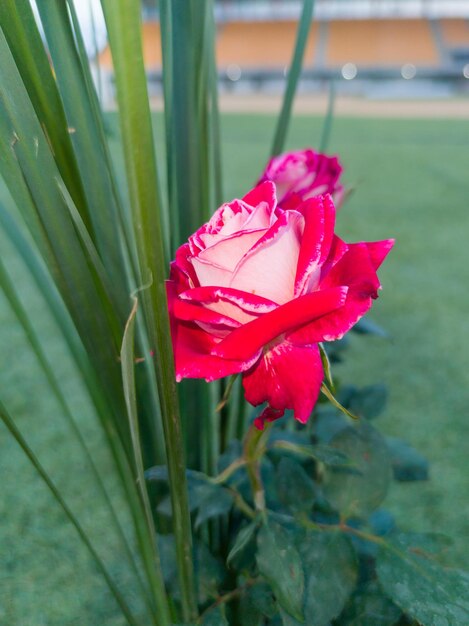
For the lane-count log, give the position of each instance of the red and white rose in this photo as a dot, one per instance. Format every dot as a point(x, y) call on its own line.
point(302, 174)
point(257, 287)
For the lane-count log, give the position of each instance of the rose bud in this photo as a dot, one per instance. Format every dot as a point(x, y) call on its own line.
point(304, 174)
point(257, 287)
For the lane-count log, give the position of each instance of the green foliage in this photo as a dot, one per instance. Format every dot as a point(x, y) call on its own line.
point(368, 402)
point(358, 493)
point(215, 618)
point(294, 487)
point(330, 566)
point(427, 592)
point(243, 541)
point(407, 463)
point(280, 564)
point(370, 607)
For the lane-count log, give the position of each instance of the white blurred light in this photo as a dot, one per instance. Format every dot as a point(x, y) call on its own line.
point(408, 71)
point(465, 71)
point(349, 71)
point(233, 72)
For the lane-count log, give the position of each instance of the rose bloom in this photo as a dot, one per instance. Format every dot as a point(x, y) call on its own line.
point(257, 287)
point(303, 174)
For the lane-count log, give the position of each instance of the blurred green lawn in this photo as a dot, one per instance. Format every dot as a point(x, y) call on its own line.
point(411, 182)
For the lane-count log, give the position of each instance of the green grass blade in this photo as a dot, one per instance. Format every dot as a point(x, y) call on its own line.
point(36, 172)
point(93, 384)
point(19, 25)
point(214, 120)
point(188, 35)
point(20, 132)
point(83, 116)
point(327, 125)
point(184, 196)
point(167, 62)
point(283, 121)
point(209, 125)
point(94, 34)
point(124, 29)
point(95, 262)
point(22, 317)
point(9, 423)
point(128, 379)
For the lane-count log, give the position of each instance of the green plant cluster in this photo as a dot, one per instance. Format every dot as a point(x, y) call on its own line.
point(320, 549)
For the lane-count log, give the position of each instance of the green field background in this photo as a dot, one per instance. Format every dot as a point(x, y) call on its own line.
point(410, 180)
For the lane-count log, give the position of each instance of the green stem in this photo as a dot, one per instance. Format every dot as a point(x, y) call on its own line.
point(254, 449)
point(234, 409)
point(228, 597)
point(229, 471)
point(242, 505)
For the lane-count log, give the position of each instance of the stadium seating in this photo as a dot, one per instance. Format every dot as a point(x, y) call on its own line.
point(370, 43)
point(250, 44)
point(381, 43)
point(455, 32)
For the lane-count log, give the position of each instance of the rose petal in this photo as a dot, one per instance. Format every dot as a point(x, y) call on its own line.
point(209, 274)
point(188, 312)
point(238, 305)
point(245, 301)
point(337, 251)
point(268, 415)
point(193, 346)
point(356, 270)
point(228, 252)
point(248, 339)
point(263, 192)
point(378, 251)
point(287, 377)
point(227, 219)
point(193, 358)
point(181, 269)
point(319, 214)
point(269, 268)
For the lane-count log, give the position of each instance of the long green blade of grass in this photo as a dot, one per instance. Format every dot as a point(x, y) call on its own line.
point(294, 73)
point(329, 118)
point(31, 169)
point(123, 23)
point(20, 132)
point(19, 25)
point(214, 113)
point(128, 379)
point(10, 424)
point(83, 118)
point(21, 315)
point(151, 413)
point(94, 386)
point(184, 199)
point(194, 173)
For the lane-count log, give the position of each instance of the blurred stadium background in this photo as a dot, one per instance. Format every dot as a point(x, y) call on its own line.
point(382, 49)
